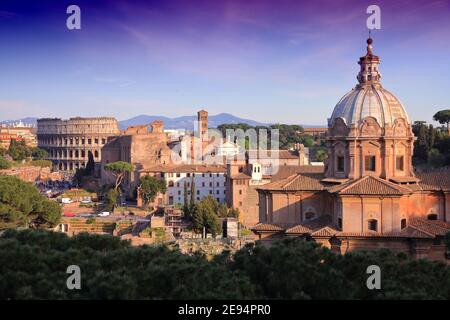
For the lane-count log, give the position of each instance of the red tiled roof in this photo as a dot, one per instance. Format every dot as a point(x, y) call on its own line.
point(431, 227)
point(266, 227)
point(187, 168)
point(369, 185)
point(297, 182)
point(269, 154)
point(435, 181)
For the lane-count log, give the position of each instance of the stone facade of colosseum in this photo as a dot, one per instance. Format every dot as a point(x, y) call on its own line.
point(71, 142)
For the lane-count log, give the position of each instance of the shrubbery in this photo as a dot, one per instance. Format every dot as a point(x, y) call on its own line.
point(34, 266)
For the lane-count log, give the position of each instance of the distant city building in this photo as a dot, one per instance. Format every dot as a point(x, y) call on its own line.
point(208, 180)
point(143, 146)
point(71, 142)
point(17, 131)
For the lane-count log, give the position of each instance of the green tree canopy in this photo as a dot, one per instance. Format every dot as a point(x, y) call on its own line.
point(150, 187)
point(18, 150)
point(443, 117)
point(205, 215)
point(34, 266)
point(119, 169)
point(38, 153)
point(4, 164)
point(22, 204)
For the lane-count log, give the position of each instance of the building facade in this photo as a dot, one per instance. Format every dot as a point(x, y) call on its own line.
point(181, 180)
point(368, 195)
point(70, 143)
point(143, 146)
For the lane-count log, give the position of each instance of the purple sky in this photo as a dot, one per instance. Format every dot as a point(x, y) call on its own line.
point(272, 61)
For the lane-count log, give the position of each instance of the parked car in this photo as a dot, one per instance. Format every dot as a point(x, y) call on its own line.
point(104, 214)
point(66, 200)
point(69, 214)
point(86, 201)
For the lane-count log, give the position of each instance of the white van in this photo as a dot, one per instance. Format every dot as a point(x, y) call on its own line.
point(66, 200)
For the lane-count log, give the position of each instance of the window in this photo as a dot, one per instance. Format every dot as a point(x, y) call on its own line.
point(340, 164)
point(198, 192)
point(403, 224)
point(369, 163)
point(96, 154)
point(372, 225)
point(170, 183)
point(340, 223)
point(432, 216)
point(309, 215)
point(399, 160)
point(188, 175)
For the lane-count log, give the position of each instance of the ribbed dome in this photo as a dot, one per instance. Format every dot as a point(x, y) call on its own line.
point(369, 101)
point(369, 98)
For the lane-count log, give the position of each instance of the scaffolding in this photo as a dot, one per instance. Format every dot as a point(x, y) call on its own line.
point(174, 220)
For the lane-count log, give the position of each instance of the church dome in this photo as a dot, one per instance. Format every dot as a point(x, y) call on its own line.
point(369, 98)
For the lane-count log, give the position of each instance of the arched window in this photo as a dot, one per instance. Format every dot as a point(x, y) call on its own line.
point(372, 224)
point(170, 183)
point(432, 216)
point(309, 215)
point(403, 223)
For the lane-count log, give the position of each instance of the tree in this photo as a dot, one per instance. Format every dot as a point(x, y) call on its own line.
point(38, 153)
point(118, 170)
point(443, 117)
point(186, 210)
point(321, 155)
point(18, 150)
point(21, 205)
point(90, 165)
point(205, 215)
point(192, 201)
point(112, 195)
point(150, 187)
point(4, 164)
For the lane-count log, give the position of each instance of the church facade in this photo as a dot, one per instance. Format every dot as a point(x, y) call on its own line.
point(368, 195)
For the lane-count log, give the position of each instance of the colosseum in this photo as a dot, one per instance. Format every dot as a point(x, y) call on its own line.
point(71, 142)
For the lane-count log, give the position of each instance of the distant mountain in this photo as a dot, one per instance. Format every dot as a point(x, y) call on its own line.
point(184, 122)
point(28, 121)
point(187, 122)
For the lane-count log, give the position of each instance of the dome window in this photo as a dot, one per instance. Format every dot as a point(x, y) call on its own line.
point(370, 162)
point(340, 164)
point(399, 161)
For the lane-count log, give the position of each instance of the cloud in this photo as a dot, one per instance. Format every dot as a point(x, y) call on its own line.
point(121, 82)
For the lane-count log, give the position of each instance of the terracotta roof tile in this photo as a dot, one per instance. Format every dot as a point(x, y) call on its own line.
point(369, 185)
point(266, 227)
point(297, 182)
point(435, 181)
point(432, 227)
point(311, 226)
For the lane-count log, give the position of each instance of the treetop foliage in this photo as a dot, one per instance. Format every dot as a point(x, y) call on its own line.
point(34, 264)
